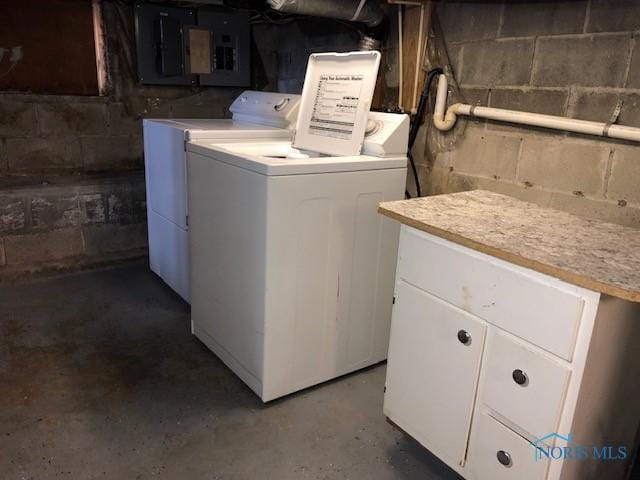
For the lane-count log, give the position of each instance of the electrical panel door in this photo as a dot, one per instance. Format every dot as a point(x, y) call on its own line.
point(160, 45)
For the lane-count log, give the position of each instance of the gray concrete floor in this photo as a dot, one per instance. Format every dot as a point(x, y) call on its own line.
point(101, 378)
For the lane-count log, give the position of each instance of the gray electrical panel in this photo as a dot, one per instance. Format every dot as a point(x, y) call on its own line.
point(160, 45)
point(231, 48)
point(185, 46)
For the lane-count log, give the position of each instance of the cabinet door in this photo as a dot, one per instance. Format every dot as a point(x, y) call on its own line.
point(432, 371)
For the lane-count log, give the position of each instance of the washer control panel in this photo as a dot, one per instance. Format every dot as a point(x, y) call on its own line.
point(386, 134)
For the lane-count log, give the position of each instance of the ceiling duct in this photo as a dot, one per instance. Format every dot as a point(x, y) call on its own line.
point(363, 11)
point(367, 12)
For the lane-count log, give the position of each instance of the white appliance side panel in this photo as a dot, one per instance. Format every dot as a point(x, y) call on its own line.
point(169, 253)
point(164, 159)
point(330, 271)
point(227, 226)
point(154, 246)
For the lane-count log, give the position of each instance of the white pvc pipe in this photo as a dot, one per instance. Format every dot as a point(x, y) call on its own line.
point(441, 120)
point(446, 121)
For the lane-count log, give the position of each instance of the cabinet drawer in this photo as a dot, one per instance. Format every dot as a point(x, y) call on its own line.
point(538, 308)
point(523, 385)
point(432, 371)
point(497, 453)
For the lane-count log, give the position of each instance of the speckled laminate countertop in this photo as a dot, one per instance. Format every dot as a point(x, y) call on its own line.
point(589, 253)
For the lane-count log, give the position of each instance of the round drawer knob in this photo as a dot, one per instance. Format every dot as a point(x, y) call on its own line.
point(520, 377)
point(504, 458)
point(464, 337)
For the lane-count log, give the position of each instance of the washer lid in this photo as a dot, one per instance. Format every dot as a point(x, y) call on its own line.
point(336, 98)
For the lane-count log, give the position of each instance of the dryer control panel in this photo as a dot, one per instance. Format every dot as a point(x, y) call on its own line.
point(266, 108)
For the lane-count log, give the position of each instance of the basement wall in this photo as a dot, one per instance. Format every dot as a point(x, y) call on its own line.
point(72, 189)
point(574, 58)
point(71, 167)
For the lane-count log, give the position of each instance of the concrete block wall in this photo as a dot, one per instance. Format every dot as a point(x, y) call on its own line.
point(65, 134)
point(48, 134)
point(570, 58)
point(71, 184)
point(72, 222)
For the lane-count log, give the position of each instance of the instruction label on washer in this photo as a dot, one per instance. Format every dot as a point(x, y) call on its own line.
point(336, 105)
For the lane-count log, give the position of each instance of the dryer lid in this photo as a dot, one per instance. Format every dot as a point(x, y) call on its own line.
point(336, 97)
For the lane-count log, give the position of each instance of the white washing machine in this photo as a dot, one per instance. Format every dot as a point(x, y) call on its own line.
point(256, 115)
point(292, 268)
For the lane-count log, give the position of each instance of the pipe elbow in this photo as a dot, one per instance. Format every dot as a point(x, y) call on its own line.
point(448, 120)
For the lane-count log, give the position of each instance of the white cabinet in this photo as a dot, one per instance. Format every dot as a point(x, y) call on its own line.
point(435, 350)
point(488, 359)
